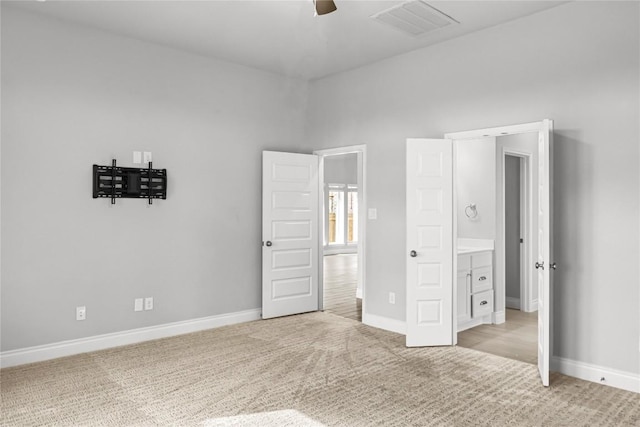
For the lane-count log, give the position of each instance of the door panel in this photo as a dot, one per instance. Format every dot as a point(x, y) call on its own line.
point(429, 242)
point(289, 234)
point(463, 297)
point(545, 248)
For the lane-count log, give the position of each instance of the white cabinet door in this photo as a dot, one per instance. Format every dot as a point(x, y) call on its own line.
point(545, 247)
point(463, 296)
point(429, 249)
point(289, 233)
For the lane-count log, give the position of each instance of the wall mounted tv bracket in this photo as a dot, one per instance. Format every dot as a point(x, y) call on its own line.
point(134, 183)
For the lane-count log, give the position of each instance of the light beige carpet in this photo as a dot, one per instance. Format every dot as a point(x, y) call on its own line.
point(313, 369)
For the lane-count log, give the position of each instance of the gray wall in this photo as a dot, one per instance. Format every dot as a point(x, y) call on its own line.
point(72, 97)
point(512, 226)
point(556, 64)
point(476, 183)
point(341, 169)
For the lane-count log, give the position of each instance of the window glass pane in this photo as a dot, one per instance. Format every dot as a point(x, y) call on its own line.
point(336, 217)
point(352, 216)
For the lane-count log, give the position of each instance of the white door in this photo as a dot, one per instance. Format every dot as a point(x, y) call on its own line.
point(544, 263)
point(289, 233)
point(429, 242)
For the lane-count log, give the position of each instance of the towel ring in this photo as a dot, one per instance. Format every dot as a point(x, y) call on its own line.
point(471, 211)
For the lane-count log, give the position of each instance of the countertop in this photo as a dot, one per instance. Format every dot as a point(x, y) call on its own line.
point(463, 250)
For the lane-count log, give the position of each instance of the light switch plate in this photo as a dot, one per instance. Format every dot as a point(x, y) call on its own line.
point(373, 213)
point(138, 304)
point(137, 157)
point(147, 157)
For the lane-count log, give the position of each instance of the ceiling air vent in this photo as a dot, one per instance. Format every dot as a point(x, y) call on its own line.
point(415, 18)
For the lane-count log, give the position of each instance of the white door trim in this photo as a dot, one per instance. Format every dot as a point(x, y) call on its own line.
point(498, 131)
point(361, 151)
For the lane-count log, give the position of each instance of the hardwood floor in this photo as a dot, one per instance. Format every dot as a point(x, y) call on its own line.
point(340, 282)
point(517, 338)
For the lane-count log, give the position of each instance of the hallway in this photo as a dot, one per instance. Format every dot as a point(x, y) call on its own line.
point(340, 282)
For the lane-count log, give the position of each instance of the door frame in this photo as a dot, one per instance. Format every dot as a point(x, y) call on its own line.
point(361, 151)
point(526, 226)
point(533, 127)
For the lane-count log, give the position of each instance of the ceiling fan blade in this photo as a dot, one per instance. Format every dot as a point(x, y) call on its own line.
point(325, 6)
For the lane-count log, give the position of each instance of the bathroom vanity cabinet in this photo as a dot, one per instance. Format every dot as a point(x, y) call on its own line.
point(475, 287)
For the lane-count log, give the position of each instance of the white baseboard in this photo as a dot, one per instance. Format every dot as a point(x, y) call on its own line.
point(597, 374)
point(534, 305)
point(471, 323)
point(359, 293)
point(116, 339)
point(512, 302)
point(498, 317)
point(392, 325)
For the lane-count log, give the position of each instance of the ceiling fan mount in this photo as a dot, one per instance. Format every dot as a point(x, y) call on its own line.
point(324, 6)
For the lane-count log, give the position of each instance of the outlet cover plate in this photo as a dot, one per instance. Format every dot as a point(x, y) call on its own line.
point(148, 303)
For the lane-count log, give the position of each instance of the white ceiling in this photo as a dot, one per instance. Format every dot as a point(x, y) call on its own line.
point(280, 36)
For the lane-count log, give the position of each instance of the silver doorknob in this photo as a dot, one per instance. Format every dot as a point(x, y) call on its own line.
point(540, 265)
point(554, 266)
point(413, 254)
point(268, 243)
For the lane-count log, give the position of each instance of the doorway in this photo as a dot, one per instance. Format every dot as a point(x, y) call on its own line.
point(342, 207)
point(492, 190)
point(513, 211)
point(538, 264)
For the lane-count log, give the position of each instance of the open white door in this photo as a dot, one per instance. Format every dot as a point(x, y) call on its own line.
point(545, 263)
point(289, 233)
point(429, 242)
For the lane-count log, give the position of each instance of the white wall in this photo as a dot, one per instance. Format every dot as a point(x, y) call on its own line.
point(341, 169)
point(476, 184)
point(576, 64)
point(72, 97)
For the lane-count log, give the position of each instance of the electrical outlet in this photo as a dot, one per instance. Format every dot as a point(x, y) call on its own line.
point(148, 303)
point(147, 157)
point(373, 213)
point(137, 157)
point(138, 304)
point(81, 313)
point(392, 297)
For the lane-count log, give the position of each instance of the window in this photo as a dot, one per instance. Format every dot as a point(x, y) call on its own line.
point(336, 216)
point(352, 213)
point(341, 215)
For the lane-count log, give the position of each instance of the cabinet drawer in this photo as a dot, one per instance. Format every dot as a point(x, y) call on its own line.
point(481, 279)
point(464, 262)
point(482, 304)
point(483, 259)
